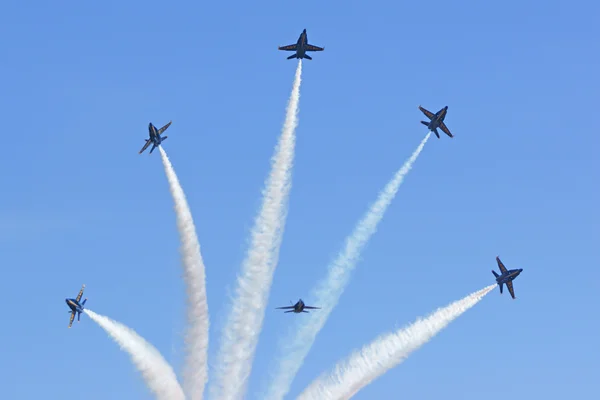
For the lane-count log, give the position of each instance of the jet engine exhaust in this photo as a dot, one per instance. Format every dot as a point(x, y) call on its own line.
point(243, 325)
point(195, 374)
point(157, 373)
point(387, 351)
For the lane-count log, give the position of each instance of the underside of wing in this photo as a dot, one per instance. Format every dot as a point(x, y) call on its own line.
point(428, 113)
point(284, 308)
point(80, 294)
point(72, 318)
point(289, 47)
point(500, 265)
point(312, 47)
point(444, 128)
point(148, 141)
point(509, 285)
point(312, 308)
point(164, 128)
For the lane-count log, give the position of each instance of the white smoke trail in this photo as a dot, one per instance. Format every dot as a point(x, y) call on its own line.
point(240, 335)
point(195, 373)
point(329, 290)
point(387, 351)
point(157, 373)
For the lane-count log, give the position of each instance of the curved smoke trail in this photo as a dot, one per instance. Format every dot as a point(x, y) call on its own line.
point(329, 290)
point(195, 371)
point(240, 335)
point(157, 373)
point(387, 351)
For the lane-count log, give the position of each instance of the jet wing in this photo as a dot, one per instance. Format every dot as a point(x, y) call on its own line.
point(501, 266)
point(164, 128)
point(312, 308)
point(509, 285)
point(284, 308)
point(289, 47)
point(80, 293)
point(72, 318)
point(311, 47)
point(444, 128)
point(428, 113)
point(148, 141)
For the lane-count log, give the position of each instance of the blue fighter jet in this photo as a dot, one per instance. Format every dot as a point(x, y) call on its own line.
point(75, 306)
point(436, 121)
point(155, 138)
point(298, 307)
point(301, 47)
point(506, 276)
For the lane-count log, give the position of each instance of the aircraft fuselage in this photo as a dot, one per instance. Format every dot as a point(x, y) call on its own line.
point(439, 117)
point(154, 136)
point(299, 307)
point(74, 305)
point(301, 49)
point(508, 276)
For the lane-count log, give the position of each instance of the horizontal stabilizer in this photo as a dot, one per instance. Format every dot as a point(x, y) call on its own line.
point(307, 57)
point(292, 56)
point(163, 138)
point(495, 273)
point(425, 123)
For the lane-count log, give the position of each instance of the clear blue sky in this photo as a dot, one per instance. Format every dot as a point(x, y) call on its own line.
point(81, 80)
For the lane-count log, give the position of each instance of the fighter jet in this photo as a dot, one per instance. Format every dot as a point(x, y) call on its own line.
point(437, 121)
point(298, 307)
point(155, 138)
point(301, 47)
point(75, 306)
point(506, 276)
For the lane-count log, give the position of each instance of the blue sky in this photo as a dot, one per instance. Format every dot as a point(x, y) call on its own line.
point(81, 81)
